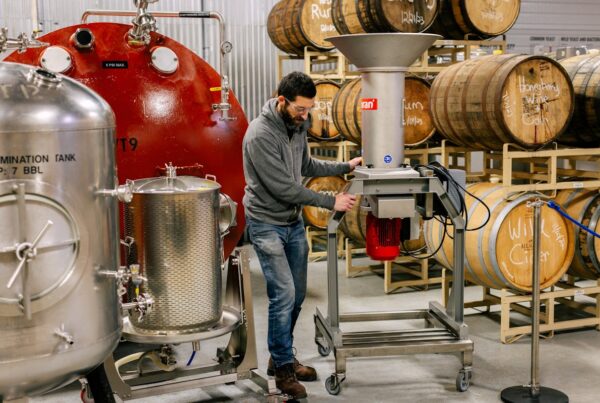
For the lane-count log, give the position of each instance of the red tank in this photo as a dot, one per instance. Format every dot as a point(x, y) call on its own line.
point(161, 117)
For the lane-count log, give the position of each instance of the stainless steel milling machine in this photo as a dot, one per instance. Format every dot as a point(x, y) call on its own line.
point(391, 190)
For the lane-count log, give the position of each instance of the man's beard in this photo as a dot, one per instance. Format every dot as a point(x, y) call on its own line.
point(289, 120)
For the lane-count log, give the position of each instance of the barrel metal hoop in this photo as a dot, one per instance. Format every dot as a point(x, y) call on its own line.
point(496, 228)
point(355, 112)
point(452, 71)
point(579, 218)
point(591, 238)
point(484, 268)
point(472, 136)
point(515, 60)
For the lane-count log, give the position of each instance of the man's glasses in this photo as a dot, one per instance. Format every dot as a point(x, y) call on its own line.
point(299, 109)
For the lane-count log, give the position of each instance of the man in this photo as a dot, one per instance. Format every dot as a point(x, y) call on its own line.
point(276, 157)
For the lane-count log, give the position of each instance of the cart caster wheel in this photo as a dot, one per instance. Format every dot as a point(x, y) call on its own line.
point(332, 385)
point(324, 351)
point(463, 380)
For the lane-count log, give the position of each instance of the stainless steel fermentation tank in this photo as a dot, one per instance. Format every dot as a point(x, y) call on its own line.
point(59, 312)
point(390, 189)
point(176, 226)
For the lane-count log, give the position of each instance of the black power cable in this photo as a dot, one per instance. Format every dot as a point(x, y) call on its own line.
point(443, 173)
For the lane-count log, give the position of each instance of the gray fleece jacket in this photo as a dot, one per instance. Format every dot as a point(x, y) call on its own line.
point(274, 166)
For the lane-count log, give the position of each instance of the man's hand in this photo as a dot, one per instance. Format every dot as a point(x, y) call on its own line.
point(344, 202)
point(354, 162)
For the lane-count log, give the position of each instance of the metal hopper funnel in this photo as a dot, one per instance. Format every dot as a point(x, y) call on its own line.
point(383, 60)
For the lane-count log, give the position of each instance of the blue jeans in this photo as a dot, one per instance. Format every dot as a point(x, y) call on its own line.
point(282, 251)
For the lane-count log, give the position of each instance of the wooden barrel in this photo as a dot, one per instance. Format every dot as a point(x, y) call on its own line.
point(500, 254)
point(331, 185)
point(418, 125)
point(294, 24)
point(322, 127)
point(346, 114)
point(583, 205)
point(357, 16)
point(354, 223)
point(472, 19)
point(345, 17)
point(584, 130)
point(354, 226)
point(492, 100)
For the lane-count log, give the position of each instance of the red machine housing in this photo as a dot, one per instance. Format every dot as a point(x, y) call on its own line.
point(383, 237)
point(161, 118)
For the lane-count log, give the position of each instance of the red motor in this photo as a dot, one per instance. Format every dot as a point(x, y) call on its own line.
point(383, 237)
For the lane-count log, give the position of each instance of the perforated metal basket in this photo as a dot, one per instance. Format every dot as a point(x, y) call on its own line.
point(175, 226)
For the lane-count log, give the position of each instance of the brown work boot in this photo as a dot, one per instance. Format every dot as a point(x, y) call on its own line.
point(286, 381)
point(303, 373)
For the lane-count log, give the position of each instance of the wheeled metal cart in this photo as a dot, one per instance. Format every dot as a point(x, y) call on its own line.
point(444, 331)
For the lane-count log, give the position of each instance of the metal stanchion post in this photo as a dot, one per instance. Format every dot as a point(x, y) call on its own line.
point(534, 392)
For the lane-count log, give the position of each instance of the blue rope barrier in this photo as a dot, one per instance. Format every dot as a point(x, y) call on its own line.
point(191, 359)
point(556, 207)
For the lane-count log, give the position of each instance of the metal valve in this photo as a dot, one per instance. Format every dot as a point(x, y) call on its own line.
point(21, 43)
point(143, 305)
point(143, 24)
point(134, 275)
point(63, 334)
point(224, 106)
point(123, 275)
point(124, 193)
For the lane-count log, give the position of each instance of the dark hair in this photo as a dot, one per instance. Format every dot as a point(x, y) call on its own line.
point(297, 84)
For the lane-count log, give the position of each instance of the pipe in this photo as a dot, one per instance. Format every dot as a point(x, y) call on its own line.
point(224, 46)
point(140, 357)
point(153, 356)
point(35, 18)
point(128, 359)
point(21, 43)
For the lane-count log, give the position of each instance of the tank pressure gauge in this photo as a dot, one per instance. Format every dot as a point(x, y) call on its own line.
point(226, 47)
point(164, 60)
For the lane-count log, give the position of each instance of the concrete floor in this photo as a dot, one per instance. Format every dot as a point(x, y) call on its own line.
point(569, 361)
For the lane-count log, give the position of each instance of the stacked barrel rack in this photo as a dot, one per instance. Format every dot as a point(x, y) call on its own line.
point(525, 108)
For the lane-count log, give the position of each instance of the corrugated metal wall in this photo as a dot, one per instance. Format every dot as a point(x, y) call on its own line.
point(543, 25)
point(252, 63)
point(16, 16)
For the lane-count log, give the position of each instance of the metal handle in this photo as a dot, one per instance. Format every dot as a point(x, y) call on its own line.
point(26, 252)
point(227, 213)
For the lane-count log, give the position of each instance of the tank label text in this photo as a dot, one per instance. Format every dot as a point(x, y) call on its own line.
point(115, 64)
point(65, 158)
point(125, 144)
point(24, 159)
point(30, 164)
